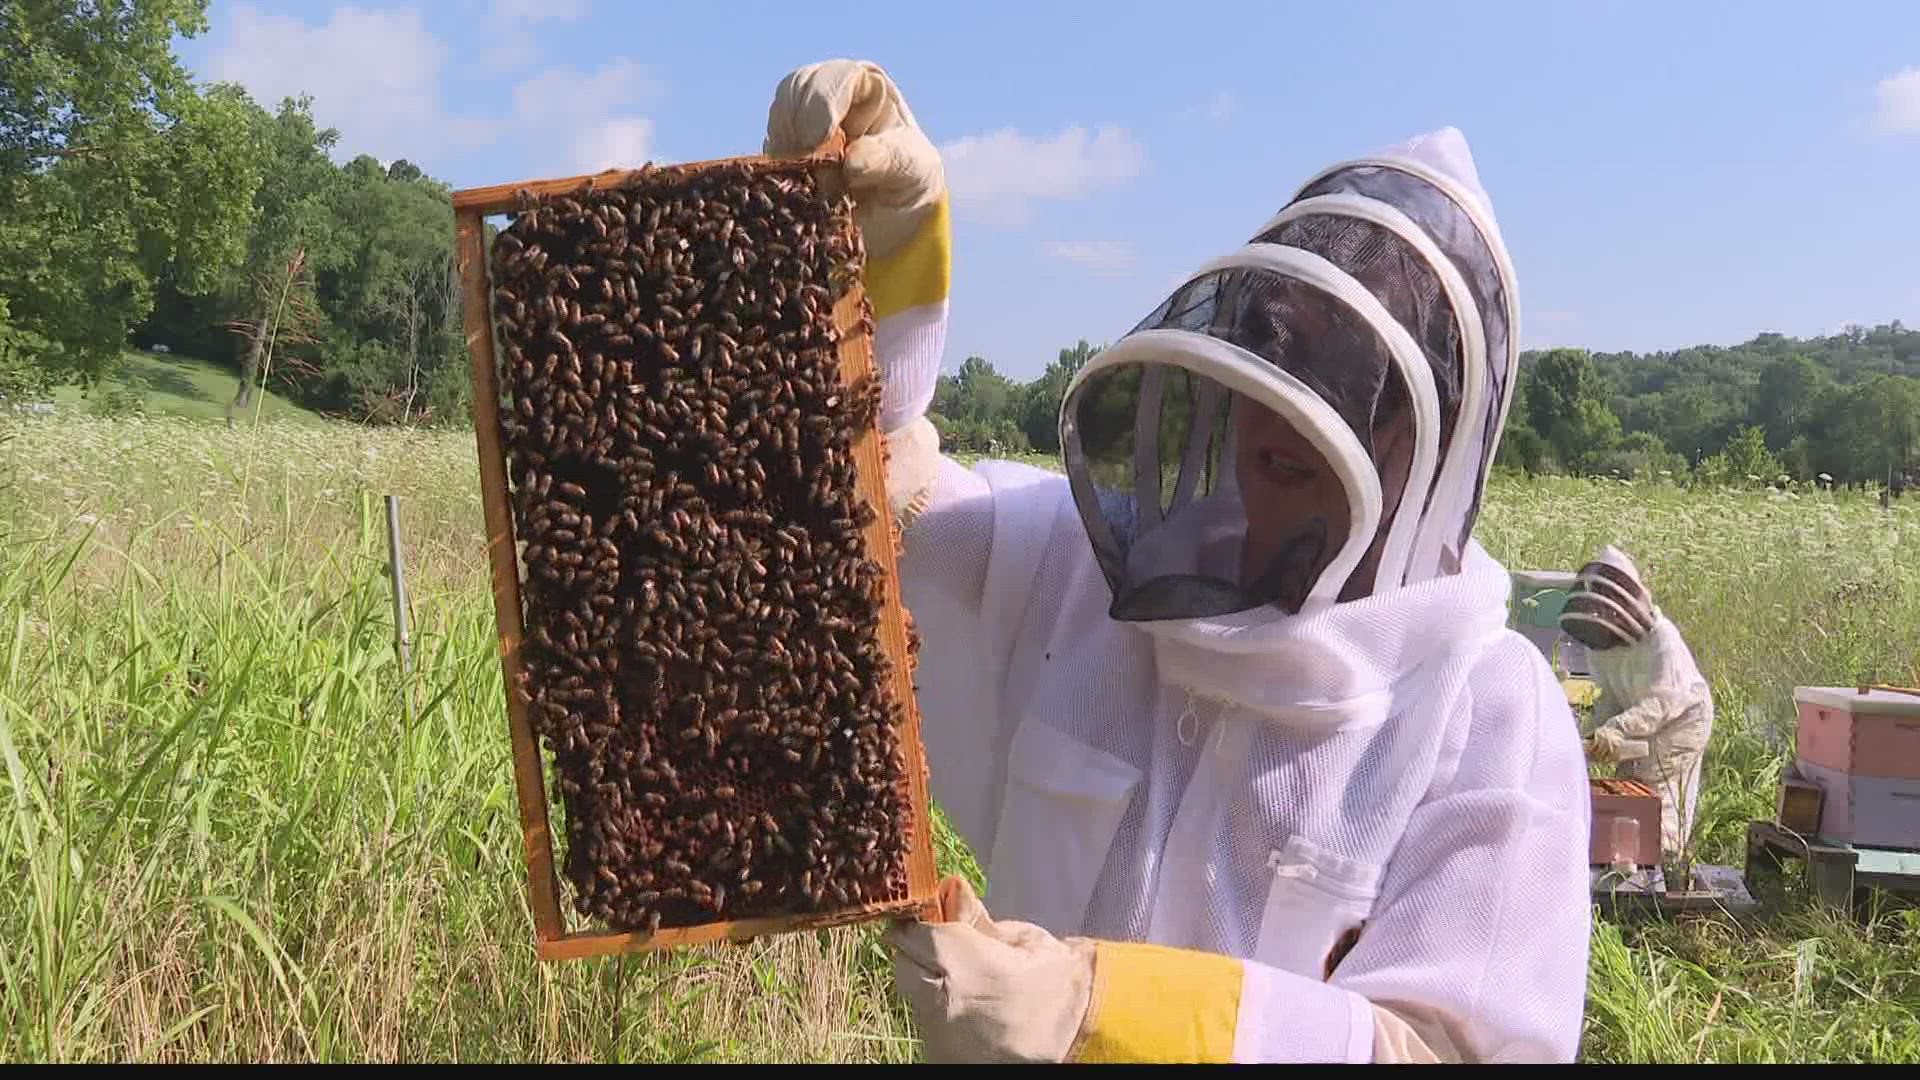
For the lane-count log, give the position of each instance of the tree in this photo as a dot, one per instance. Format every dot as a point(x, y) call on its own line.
point(293, 214)
point(1747, 459)
point(1566, 405)
point(1890, 406)
point(394, 296)
point(21, 378)
point(1785, 399)
point(84, 79)
point(1640, 456)
point(1040, 407)
point(113, 171)
point(1523, 449)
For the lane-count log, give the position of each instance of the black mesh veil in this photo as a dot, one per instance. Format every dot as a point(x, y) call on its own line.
point(1385, 252)
point(1310, 419)
point(1609, 605)
point(1245, 444)
point(1452, 222)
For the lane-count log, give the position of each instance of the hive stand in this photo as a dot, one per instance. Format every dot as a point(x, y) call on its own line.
point(1841, 876)
point(554, 938)
point(1716, 889)
point(1646, 891)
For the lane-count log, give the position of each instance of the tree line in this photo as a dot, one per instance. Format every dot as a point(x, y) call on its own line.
point(1841, 409)
point(138, 209)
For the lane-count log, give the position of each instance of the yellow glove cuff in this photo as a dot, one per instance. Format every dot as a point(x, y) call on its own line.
point(1155, 1004)
point(920, 272)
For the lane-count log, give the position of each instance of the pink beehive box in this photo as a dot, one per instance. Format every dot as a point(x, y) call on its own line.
point(1872, 734)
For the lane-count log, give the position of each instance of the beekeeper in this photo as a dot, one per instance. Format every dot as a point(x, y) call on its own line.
point(1229, 712)
point(1654, 714)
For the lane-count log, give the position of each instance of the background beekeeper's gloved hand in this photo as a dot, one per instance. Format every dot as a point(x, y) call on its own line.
point(899, 189)
point(1603, 746)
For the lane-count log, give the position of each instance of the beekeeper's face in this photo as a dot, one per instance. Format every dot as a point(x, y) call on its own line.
point(1287, 486)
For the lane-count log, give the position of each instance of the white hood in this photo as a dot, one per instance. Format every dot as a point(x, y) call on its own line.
point(1354, 362)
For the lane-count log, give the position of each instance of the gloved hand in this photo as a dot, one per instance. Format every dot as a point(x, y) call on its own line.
point(983, 991)
point(1603, 746)
point(986, 991)
point(1609, 745)
point(893, 174)
point(892, 170)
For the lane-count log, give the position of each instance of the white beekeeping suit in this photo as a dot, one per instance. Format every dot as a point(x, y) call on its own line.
point(1230, 712)
point(1654, 715)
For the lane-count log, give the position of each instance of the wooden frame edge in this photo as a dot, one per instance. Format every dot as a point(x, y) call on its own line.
point(504, 198)
point(528, 771)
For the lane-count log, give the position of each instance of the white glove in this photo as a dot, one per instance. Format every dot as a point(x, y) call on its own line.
point(892, 170)
point(986, 991)
point(899, 190)
point(1606, 746)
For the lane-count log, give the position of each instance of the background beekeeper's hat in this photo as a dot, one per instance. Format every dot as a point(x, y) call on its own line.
point(1375, 316)
point(1609, 605)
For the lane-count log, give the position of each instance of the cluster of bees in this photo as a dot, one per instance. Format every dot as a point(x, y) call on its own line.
point(703, 658)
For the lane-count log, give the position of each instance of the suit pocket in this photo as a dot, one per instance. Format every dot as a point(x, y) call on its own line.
point(1317, 905)
point(1063, 803)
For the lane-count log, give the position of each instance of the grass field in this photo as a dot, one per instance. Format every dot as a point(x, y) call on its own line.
point(229, 843)
point(167, 384)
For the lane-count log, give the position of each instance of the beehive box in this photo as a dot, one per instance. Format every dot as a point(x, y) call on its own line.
point(1876, 733)
point(1616, 799)
point(1867, 811)
point(1798, 806)
point(694, 574)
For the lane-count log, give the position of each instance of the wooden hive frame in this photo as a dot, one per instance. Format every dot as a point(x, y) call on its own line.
point(554, 939)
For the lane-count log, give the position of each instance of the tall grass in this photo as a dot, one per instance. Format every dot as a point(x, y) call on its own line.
point(230, 845)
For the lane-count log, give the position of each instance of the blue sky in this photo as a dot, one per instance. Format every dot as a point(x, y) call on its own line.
point(1665, 175)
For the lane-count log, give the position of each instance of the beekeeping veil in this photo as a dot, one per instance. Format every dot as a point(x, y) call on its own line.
point(1609, 606)
point(1311, 418)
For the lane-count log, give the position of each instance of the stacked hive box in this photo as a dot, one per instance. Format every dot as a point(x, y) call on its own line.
point(1863, 751)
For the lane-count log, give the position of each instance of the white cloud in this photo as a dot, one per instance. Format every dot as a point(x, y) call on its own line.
point(556, 94)
point(1108, 258)
point(512, 47)
point(374, 75)
point(619, 143)
point(997, 177)
point(590, 114)
point(1900, 101)
point(536, 10)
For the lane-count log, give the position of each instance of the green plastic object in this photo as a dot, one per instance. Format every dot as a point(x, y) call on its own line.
point(1883, 861)
point(1544, 611)
point(1538, 598)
